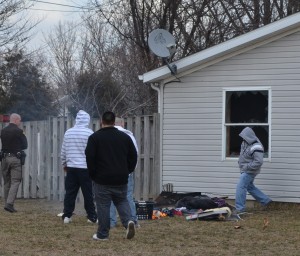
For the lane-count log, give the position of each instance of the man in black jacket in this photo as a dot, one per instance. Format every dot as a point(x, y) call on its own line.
point(13, 143)
point(111, 156)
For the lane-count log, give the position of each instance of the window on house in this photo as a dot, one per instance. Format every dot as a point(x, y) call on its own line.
point(245, 108)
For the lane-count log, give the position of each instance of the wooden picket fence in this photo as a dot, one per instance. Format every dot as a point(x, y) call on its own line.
point(43, 176)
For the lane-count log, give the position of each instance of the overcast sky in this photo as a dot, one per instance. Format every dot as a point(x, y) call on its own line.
point(51, 12)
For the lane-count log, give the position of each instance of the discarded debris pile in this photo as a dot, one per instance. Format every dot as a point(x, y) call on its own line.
point(191, 205)
point(171, 198)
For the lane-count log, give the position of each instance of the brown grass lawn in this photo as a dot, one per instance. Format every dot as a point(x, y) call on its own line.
point(36, 230)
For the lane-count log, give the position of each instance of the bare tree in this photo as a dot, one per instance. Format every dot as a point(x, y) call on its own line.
point(63, 67)
point(113, 47)
point(83, 68)
point(15, 24)
point(195, 24)
point(293, 6)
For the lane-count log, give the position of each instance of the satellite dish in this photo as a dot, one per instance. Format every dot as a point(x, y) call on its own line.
point(161, 43)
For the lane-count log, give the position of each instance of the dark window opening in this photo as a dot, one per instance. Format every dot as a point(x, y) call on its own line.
point(246, 108)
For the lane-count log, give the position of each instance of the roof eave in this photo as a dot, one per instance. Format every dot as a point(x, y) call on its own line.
point(259, 35)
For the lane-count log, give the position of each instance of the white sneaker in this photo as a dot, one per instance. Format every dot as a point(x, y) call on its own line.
point(130, 231)
point(95, 237)
point(89, 221)
point(67, 220)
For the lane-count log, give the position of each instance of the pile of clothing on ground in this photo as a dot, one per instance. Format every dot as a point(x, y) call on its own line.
point(192, 206)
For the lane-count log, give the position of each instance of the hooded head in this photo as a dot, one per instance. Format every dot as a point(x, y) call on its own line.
point(82, 119)
point(248, 135)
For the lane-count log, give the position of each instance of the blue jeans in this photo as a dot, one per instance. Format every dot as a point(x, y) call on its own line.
point(246, 184)
point(113, 214)
point(104, 194)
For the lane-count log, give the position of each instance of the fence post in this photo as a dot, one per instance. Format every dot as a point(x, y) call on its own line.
point(147, 156)
point(137, 172)
point(34, 163)
point(48, 156)
point(24, 186)
point(54, 159)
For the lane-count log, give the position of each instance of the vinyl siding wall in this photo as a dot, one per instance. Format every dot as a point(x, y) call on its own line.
point(192, 123)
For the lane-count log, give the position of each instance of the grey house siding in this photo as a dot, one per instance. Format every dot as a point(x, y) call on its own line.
point(192, 122)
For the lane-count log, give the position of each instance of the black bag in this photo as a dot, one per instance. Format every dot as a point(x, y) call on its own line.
point(197, 202)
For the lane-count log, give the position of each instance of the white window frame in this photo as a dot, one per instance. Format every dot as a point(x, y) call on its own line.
point(224, 125)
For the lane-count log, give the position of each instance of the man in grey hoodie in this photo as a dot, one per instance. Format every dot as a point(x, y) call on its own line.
point(250, 162)
point(74, 163)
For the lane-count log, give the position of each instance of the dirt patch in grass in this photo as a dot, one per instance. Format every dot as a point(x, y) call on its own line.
point(36, 230)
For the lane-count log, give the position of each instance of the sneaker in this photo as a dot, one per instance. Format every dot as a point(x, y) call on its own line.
point(130, 231)
point(92, 220)
point(236, 212)
point(268, 206)
point(67, 220)
point(10, 208)
point(95, 237)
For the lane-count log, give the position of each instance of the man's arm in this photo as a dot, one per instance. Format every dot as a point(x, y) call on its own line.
point(90, 154)
point(257, 152)
point(257, 161)
point(132, 157)
point(63, 153)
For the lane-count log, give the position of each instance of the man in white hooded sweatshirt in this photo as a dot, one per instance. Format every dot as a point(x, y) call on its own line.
point(74, 163)
point(119, 124)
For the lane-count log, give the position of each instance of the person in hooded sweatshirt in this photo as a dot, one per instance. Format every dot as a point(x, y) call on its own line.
point(119, 124)
point(74, 163)
point(250, 162)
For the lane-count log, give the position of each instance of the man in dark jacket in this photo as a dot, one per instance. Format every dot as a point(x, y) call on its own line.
point(111, 157)
point(13, 143)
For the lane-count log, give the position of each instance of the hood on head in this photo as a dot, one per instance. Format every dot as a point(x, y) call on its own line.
point(82, 119)
point(248, 135)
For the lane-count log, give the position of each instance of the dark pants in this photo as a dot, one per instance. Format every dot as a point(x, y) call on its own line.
point(104, 194)
point(78, 178)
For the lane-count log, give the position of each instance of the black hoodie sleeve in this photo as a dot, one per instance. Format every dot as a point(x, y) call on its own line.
point(132, 156)
point(90, 154)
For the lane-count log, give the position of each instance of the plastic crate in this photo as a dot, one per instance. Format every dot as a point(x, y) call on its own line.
point(144, 210)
